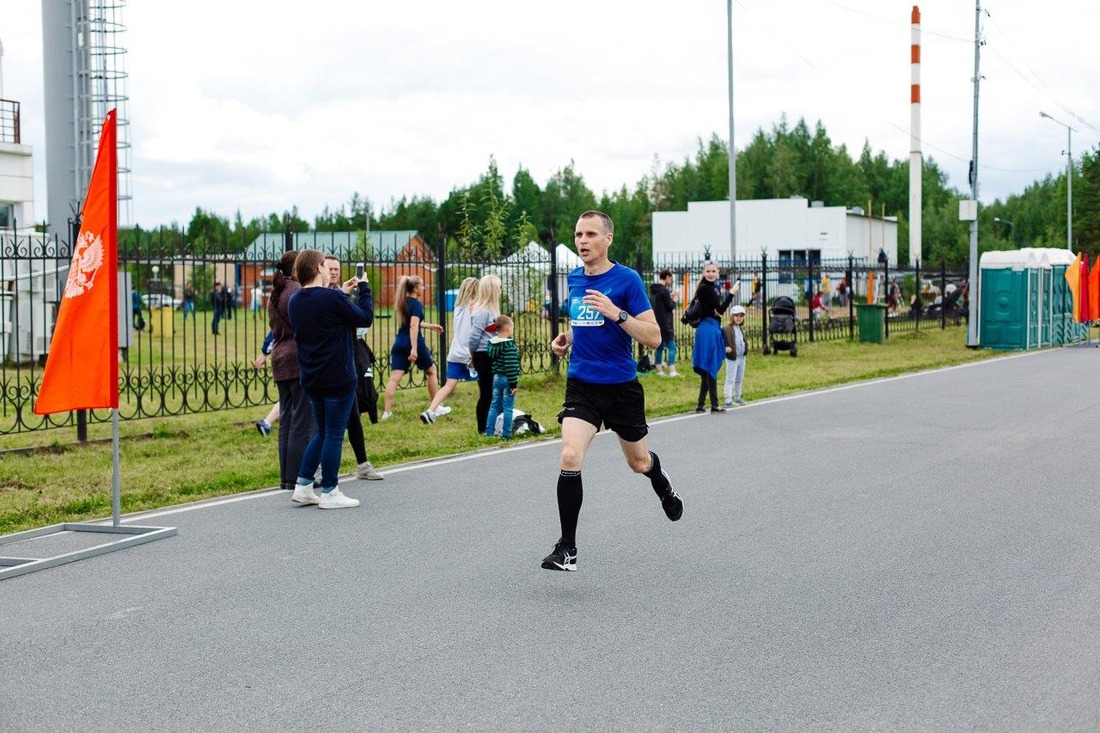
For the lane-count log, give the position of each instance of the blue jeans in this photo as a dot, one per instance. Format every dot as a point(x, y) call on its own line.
point(503, 402)
point(326, 445)
point(670, 346)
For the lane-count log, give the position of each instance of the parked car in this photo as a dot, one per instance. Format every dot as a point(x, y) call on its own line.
point(161, 300)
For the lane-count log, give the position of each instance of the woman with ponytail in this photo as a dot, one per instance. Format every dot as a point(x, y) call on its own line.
point(409, 346)
point(296, 423)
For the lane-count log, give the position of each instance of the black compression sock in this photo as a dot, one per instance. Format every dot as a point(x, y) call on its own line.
point(570, 495)
point(656, 478)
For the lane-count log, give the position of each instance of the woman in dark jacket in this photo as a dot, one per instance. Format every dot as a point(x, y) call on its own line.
point(324, 321)
point(710, 346)
point(296, 424)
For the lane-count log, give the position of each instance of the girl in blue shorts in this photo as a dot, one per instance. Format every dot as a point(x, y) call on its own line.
point(409, 346)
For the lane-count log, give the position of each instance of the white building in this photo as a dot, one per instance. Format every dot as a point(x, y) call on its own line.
point(787, 229)
point(16, 173)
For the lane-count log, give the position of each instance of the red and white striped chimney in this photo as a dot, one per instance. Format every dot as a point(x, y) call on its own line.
point(916, 165)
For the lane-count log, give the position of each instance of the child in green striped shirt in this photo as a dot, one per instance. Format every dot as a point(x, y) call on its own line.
point(505, 358)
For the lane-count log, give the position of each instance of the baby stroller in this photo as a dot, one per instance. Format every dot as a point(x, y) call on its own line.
point(781, 327)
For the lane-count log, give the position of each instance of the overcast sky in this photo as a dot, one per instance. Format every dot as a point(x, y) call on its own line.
point(258, 107)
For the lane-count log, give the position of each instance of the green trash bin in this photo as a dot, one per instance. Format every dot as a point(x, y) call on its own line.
point(872, 322)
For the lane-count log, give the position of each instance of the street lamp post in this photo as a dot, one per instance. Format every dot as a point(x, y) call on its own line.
point(1069, 179)
point(1011, 227)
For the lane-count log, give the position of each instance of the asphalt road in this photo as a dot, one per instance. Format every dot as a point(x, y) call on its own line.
point(916, 553)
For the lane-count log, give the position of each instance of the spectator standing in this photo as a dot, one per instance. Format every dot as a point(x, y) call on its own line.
point(664, 303)
point(324, 321)
point(893, 296)
point(710, 348)
point(608, 311)
point(506, 369)
point(189, 298)
point(230, 302)
point(296, 423)
point(484, 310)
point(256, 297)
point(409, 346)
point(219, 299)
point(135, 309)
point(459, 364)
point(363, 468)
point(736, 351)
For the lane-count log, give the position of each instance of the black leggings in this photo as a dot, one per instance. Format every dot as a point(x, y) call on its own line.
point(484, 366)
point(355, 435)
point(708, 386)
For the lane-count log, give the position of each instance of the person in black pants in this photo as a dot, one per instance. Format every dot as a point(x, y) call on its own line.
point(608, 311)
point(484, 310)
point(296, 422)
point(364, 469)
point(710, 346)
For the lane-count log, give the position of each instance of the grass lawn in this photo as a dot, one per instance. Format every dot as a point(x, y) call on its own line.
point(172, 460)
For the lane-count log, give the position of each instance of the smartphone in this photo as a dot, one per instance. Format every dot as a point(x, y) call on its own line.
point(359, 270)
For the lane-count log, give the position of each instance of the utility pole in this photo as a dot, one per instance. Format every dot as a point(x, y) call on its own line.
point(732, 150)
point(972, 311)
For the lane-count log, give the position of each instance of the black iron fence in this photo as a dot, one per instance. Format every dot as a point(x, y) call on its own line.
point(180, 354)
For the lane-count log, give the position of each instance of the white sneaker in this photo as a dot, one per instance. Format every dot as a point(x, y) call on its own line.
point(442, 410)
point(367, 472)
point(387, 415)
point(336, 500)
point(305, 495)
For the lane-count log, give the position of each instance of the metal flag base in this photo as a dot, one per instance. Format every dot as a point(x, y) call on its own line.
point(13, 566)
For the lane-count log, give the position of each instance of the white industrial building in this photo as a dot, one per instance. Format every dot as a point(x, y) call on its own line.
point(791, 229)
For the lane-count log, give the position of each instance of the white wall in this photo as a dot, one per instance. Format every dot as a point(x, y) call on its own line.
point(17, 182)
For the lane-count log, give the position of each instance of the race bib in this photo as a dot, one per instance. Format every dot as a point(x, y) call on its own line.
point(581, 314)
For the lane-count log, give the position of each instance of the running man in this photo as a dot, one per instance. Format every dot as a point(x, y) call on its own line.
point(608, 310)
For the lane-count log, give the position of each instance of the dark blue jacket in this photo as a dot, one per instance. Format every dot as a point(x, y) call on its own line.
point(324, 321)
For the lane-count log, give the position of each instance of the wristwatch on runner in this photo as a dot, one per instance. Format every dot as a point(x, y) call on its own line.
point(623, 315)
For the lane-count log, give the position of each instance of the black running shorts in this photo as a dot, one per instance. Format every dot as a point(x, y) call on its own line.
point(620, 407)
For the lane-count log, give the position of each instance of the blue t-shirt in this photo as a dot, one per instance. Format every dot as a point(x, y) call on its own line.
point(402, 342)
point(602, 351)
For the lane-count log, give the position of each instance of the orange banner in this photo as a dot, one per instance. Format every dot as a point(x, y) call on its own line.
point(1073, 280)
point(1094, 291)
point(82, 366)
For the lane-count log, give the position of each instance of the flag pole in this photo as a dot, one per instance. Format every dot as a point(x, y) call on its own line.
point(116, 492)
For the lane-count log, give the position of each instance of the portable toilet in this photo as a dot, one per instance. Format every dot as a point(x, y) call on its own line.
point(1064, 330)
point(1007, 306)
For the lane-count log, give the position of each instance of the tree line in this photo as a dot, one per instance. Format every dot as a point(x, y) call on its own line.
point(489, 218)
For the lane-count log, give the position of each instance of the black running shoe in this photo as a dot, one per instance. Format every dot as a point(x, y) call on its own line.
point(671, 501)
point(562, 558)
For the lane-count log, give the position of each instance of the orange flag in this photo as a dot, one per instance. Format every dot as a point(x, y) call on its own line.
point(1094, 291)
point(1083, 287)
point(82, 366)
point(1073, 279)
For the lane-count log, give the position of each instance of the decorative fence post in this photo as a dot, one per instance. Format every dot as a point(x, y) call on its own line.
point(810, 292)
point(555, 306)
point(943, 293)
point(441, 295)
point(764, 296)
point(849, 277)
point(886, 292)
